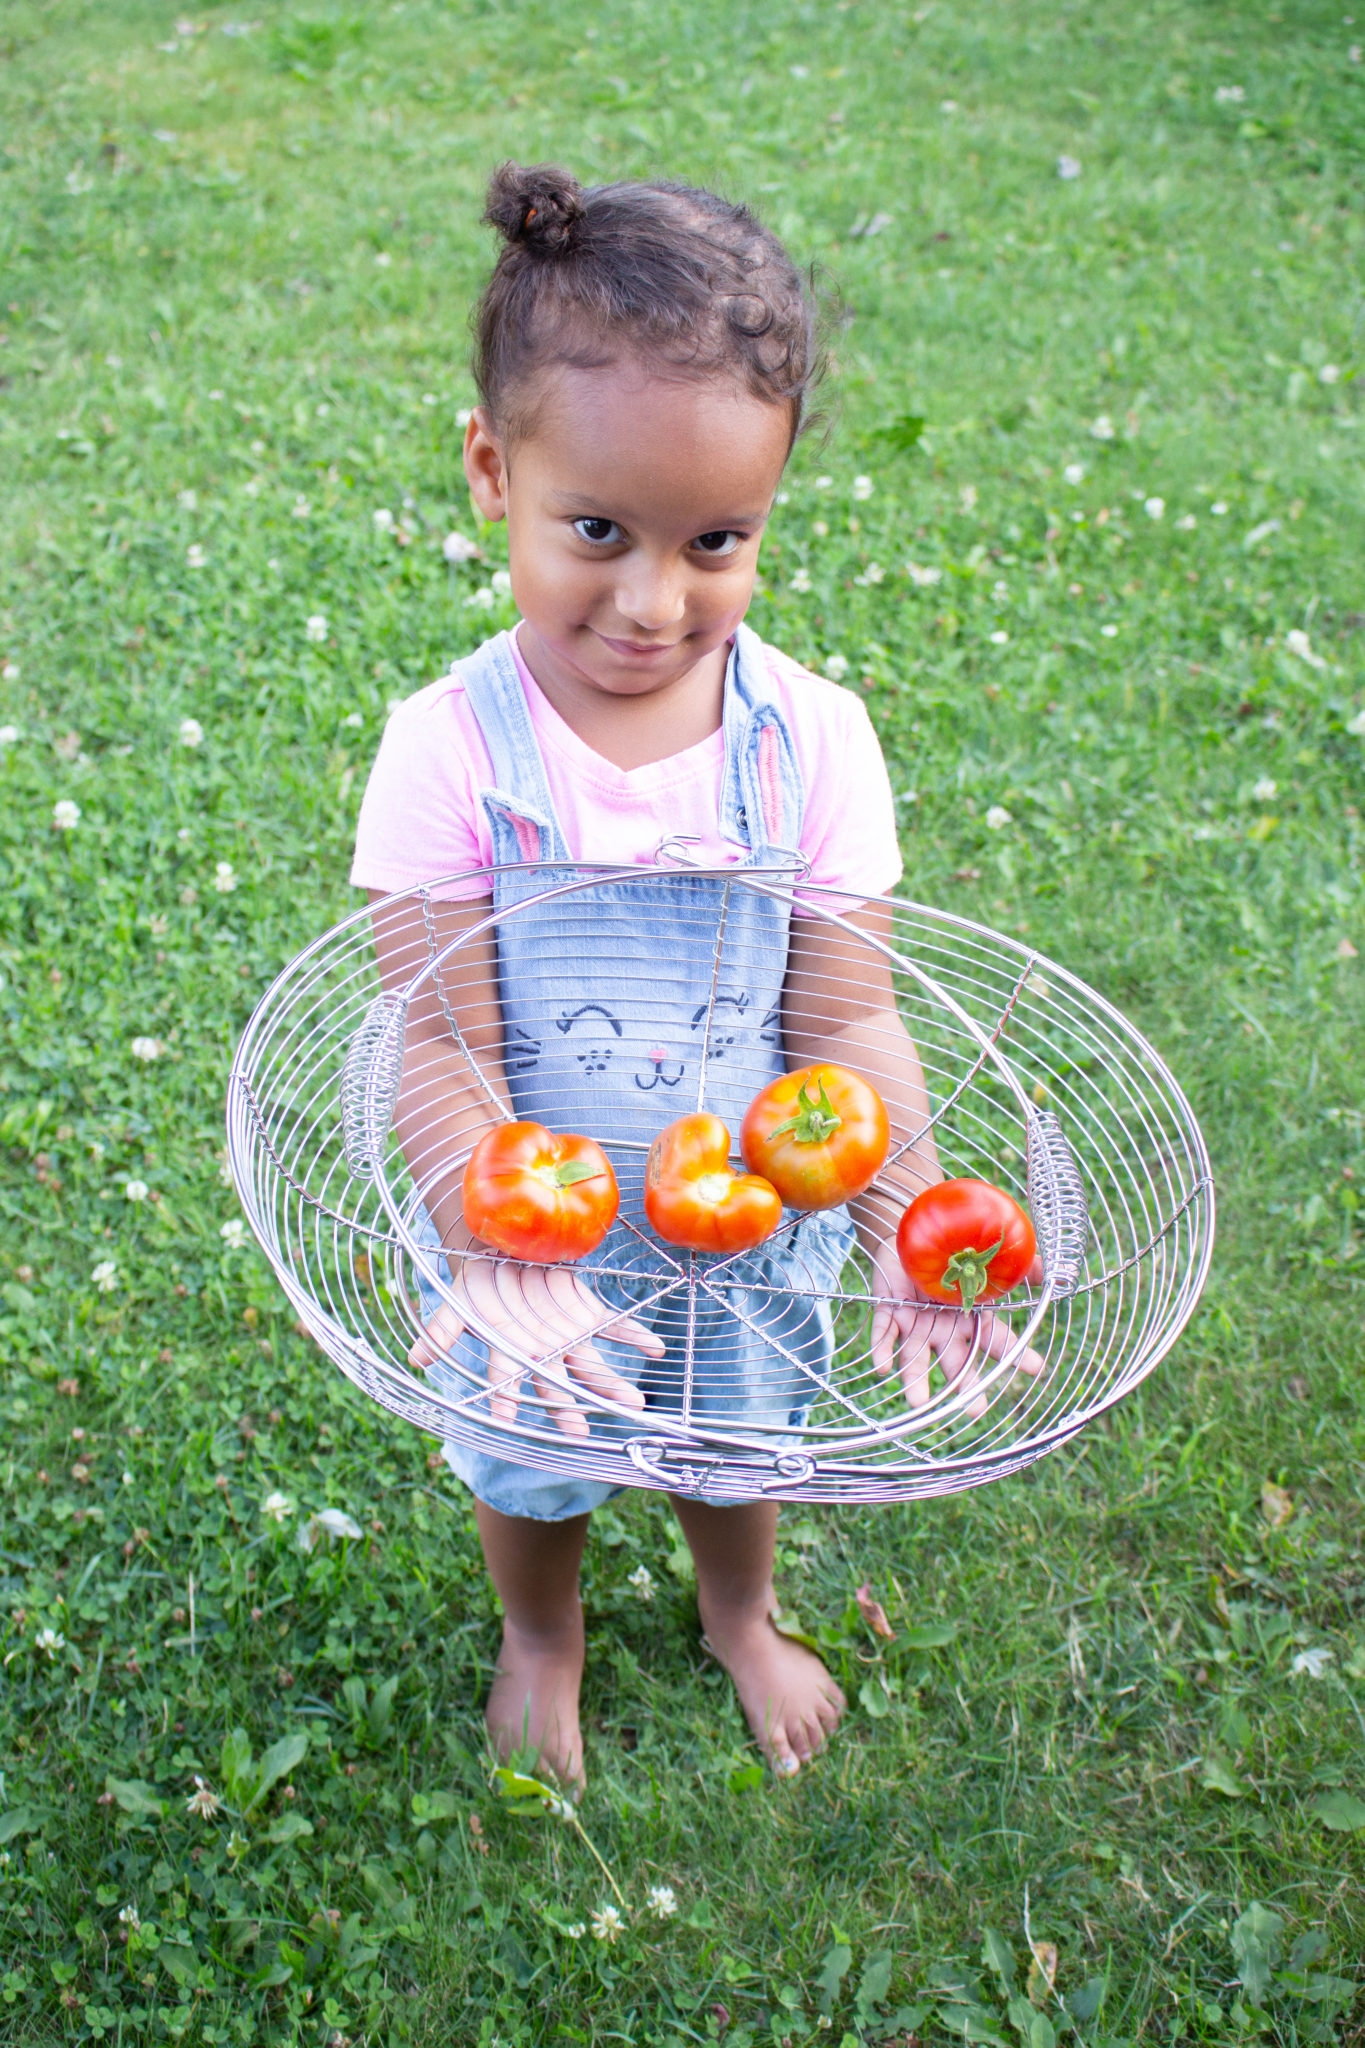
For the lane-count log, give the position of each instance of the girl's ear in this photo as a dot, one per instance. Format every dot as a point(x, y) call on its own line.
point(485, 465)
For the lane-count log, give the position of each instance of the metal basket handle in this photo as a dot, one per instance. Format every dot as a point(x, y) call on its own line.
point(1056, 1199)
point(370, 1080)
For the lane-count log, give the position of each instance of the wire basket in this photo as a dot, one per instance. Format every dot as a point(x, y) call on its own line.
point(1033, 1081)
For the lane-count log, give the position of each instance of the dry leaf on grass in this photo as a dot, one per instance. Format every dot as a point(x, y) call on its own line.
point(873, 1613)
point(1276, 1505)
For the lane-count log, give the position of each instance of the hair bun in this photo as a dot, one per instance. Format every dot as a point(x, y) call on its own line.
point(535, 207)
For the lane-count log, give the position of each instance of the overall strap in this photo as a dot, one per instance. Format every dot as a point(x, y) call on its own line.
point(762, 795)
point(519, 802)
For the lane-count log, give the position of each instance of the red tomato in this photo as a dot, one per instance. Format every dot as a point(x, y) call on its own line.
point(694, 1199)
point(819, 1135)
point(538, 1196)
point(965, 1242)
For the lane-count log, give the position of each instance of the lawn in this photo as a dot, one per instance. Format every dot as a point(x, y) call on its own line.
point(1105, 577)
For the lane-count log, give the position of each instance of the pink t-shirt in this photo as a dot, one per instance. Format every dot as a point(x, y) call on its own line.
point(421, 816)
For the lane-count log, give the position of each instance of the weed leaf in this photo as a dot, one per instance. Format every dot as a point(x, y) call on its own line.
point(132, 1795)
point(1340, 1811)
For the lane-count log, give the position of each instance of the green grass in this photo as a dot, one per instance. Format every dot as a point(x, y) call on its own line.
point(240, 268)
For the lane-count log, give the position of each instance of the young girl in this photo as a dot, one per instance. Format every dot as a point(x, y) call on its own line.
point(643, 358)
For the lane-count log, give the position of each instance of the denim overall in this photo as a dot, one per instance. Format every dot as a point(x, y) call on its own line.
point(606, 996)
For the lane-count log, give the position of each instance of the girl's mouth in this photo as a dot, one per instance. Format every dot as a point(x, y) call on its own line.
point(636, 650)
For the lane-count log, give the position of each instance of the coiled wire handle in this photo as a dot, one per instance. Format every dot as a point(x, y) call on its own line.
point(370, 1080)
point(1056, 1199)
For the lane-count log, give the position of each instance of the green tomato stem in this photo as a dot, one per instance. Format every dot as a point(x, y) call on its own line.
point(814, 1120)
point(969, 1270)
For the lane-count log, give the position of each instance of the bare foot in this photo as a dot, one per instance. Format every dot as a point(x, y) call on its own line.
point(789, 1699)
point(533, 1703)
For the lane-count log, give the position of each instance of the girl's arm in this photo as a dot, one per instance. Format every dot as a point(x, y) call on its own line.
point(839, 1005)
point(446, 1102)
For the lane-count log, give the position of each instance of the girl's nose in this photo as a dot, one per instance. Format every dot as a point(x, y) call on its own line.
point(650, 597)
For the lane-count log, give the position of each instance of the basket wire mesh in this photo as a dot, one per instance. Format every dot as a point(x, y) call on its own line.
point(1030, 1080)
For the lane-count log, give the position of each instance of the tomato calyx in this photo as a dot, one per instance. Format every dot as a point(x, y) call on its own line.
point(969, 1271)
point(566, 1173)
point(814, 1122)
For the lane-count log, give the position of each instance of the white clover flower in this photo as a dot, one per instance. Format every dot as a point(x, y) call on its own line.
point(1330, 373)
point(1074, 473)
point(480, 600)
point(575, 1931)
point(862, 488)
point(1068, 167)
point(820, 528)
point(105, 1276)
point(966, 497)
point(874, 573)
point(800, 582)
point(662, 1901)
point(1155, 508)
point(354, 719)
point(1186, 523)
point(66, 815)
point(202, 1802)
point(1296, 642)
point(135, 1191)
point(253, 486)
point(191, 733)
point(464, 415)
point(836, 668)
point(382, 259)
point(456, 547)
point(500, 583)
point(188, 501)
point(49, 1639)
point(430, 398)
point(607, 1924)
point(1266, 790)
point(146, 1048)
point(783, 498)
point(824, 483)
point(1109, 632)
point(300, 508)
point(327, 1524)
point(315, 627)
point(233, 1233)
point(1102, 428)
point(1229, 95)
point(923, 579)
point(8, 735)
point(641, 1581)
point(1218, 507)
point(10, 672)
point(195, 558)
point(997, 817)
point(999, 638)
point(224, 877)
point(1313, 1663)
point(129, 1917)
point(1356, 725)
point(277, 1507)
point(383, 520)
point(1000, 590)
point(947, 106)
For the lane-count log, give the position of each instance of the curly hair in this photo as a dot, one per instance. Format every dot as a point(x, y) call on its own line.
point(668, 273)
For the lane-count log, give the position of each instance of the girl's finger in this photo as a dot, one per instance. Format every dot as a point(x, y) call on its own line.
point(883, 1342)
point(504, 1386)
point(597, 1376)
point(438, 1336)
point(562, 1409)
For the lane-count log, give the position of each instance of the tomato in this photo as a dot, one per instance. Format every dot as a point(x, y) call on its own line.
point(538, 1196)
point(819, 1135)
point(965, 1242)
point(694, 1199)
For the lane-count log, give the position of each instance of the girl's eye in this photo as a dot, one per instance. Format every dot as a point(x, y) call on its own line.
point(597, 530)
point(723, 543)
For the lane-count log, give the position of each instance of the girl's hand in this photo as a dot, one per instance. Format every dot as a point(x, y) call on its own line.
point(549, 1312)
point(922, 1331)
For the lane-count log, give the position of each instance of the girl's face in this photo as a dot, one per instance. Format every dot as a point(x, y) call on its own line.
point(635, 504)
